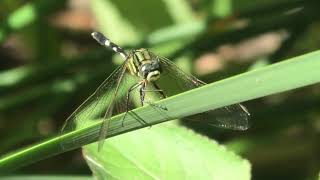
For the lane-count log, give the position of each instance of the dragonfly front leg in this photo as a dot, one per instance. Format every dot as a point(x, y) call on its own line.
point(133, 87)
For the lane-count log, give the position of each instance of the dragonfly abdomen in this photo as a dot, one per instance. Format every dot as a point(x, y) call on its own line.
point(106, 42)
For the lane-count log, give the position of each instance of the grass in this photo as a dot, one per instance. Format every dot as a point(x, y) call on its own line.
point(287, 75)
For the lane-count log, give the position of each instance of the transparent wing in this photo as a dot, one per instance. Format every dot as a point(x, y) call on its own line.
point(232, 117)
point(107, 100)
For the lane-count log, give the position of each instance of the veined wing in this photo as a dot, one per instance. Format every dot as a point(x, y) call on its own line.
point(232, 117)
point(107, 100)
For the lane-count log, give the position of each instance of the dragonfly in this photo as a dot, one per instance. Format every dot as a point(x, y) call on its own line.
point(143, 72)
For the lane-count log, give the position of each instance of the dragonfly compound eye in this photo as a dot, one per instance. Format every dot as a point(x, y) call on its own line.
point(144, 70)
point(155, 65)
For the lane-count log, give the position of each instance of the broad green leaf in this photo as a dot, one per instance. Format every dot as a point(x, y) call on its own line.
point(166, 151)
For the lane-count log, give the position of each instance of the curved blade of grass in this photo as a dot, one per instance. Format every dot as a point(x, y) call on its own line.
point(296, 72)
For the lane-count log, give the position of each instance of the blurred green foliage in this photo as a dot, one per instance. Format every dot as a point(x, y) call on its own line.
point(49, 65)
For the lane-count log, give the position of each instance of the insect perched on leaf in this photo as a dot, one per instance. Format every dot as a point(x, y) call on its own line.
point(144, 72)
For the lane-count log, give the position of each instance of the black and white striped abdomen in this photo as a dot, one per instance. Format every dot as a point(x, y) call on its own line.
point(106, 42)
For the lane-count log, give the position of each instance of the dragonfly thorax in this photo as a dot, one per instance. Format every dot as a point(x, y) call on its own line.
point(144, 64)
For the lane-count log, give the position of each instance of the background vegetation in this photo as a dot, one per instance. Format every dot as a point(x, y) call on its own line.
point(49, 64)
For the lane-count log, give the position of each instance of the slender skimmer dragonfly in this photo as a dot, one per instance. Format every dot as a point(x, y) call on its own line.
point(143, 71)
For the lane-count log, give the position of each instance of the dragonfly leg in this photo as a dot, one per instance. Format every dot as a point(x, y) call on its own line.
point(158, 89)
point(133, 87)
point(142, 92)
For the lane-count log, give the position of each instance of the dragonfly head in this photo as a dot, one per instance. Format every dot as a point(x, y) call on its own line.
point(150, 71)
point(145, 64)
